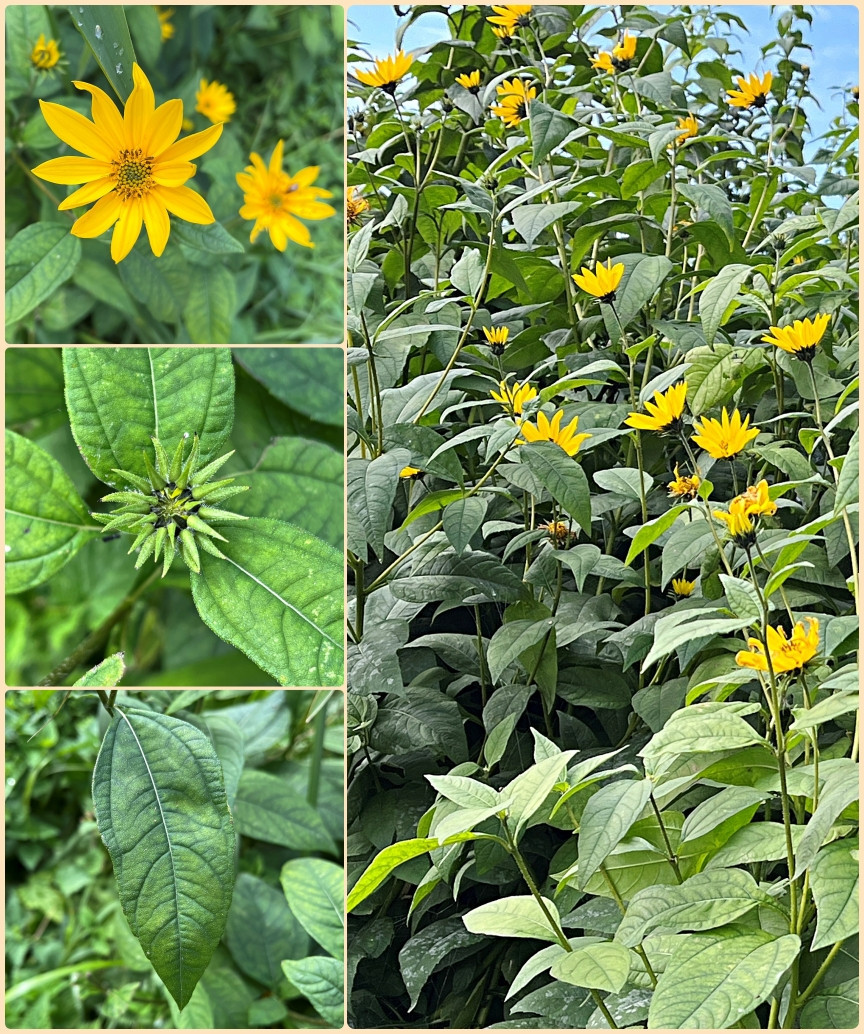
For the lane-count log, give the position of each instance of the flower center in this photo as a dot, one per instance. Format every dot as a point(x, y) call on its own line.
point(133, 173)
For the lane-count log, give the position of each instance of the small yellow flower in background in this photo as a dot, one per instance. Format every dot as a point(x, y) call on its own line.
point(45, 54)
point(470, 81)
point(165, 22)
point(514, 96)
point(187, 125)
point(855, 92)
point(214, 101)
point(603, 282)
point(682, 587)
point(685, 486)
point(690, 127)
point(757, 501)
point(410, 472)
point(786, 654)
point(801, 338)
point(559, 532)
point(133, 169)
point(738, 522)
point(496, 338)
point(625, 50)
point(277, 202)
point(387, 72)
point(355, 206)
point(511, 17)
point(602, 62)
point(726, 437)
point(664, 413)
point(551, 431)
point(751, 93)
point(513, 398)
point(798, 260)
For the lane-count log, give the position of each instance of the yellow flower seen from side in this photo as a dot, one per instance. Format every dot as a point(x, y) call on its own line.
point(625, 50)
point(801, 338)
point(751, 92)
point(757, 500)
point(214, 101)
point(513, 398)
point(165, 26)
point(496, 338)
point(603, 282)
point(619, 60)
point(510, 17)
point(277, 202)
point(786, 654)
point(355, 206)
point(798, 260)
point(725, 437)
point(387, 72)
point(664, 413)
point(690, 128)
point(739, 522)
point(410, 472)
point(470, 81)
point(547, 430)
point(45, 54)
point(602, 62)
point(134, 167)
point(514, 96)
point(682, 587)
point(505, 35)
point(685, 486)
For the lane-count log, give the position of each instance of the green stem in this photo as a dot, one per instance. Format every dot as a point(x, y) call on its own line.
point(671, 857)
point(554, 925)
point(317, 757)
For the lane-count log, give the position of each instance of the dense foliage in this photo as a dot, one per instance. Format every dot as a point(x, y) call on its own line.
point(603, 493)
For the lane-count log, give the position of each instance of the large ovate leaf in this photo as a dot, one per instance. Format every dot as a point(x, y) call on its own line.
point(563, 478)
point(315, 890)
point(607, 818)
point(262, 930)
point(39, 259)
point(603, 966)
point(267, 809)
point(278, 597)
point(162, 812)
point(519, 916)
point(834, 882)
point(321, 980)
point(309, 380)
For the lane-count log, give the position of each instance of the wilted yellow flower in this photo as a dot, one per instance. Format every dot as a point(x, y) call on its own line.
point(690, 127)
point(559, 532)
point(786, 654)
point(470, 81)
point(45, 54)
point(387, 72)
point(165, 25)
point(664, 413)
point(751, 93)
point(726, 437)
point(682, 587)
point(214, 101)
point(551, 431)
point(514, 398)
point(514, 96)
point(685, 485)
point(603, 282)
point(757, 501)
point(801, 338)
point(355, 206)
point(510, 17)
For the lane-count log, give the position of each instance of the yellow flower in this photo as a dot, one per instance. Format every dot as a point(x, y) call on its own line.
point(664, 413)
point(603, 62)
point(410, 472)
point(165, 22)
point(684, 486)
point(133, 169)
point(738, 522)
point(214, 101)
point(551, 431)
point(798, 260)
point(690, 127)
point(505, 35)
point(470, 81)
point(45, 55)
point(757, 501)
point(355, 207)
point(603, 282)
point(277, 201)
point(855, 92)
point(511, 17)
point(559, 532)
point(625, 50)
point(751, 93)
point(187, 125)
point(514, 96)
point(786, 654)
point(496, 337)
point(726, 437)
point(682, 587)
point(387, 72)
point(801, 338)
point(513, 399)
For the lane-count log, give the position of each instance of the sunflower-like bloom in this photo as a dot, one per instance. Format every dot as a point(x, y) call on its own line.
point(214, 101)
point(757, 500)
point(165, 26)
point(625, 49)
point(514, 96)
point(410, 472)
point(685, 486)
point(739, 522)
point(664, 413)
point(387, 72)
point(602, 62)
point(559, 532)
point(786, 654)
point(355, 206)
point(801, 338)
point(751, 93)
point(513, 398)
point(690, 128)
point(133, 168)
point(470, 81)
point(277, 202)
point(496, 338)
point(682, 587)
point(551, 431)
point(172, 510)
point(511, 17)
point(726, 437)
point(603, 282)
point(45, 54)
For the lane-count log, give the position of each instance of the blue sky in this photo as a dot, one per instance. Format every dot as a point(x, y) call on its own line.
point(833, 36)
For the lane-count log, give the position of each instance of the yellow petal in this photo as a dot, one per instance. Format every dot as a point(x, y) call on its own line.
point(173, 175)
point(86, 194)
point(76, 131)
point(165, 127)
point(139, 111)
point(105, 114)
point(127, 229)
point(186, 203)
point(191, 146)
point(157, 222)
point(276, 158)
point(72, 170)
point(101, 217)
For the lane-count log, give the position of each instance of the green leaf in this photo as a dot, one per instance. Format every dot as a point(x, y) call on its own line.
point(601, 966)
point(548, 128)
point(847, 484)
point(161, 810)
point(34, 387)
point(652, 531)
point(308, 380)
point(46, 520)
point(519, 916)
point(197, 1015)
point(262, 930)
point(713, 200)
point(211, 300)
point(119, 397)
point(105, 673)
point(212, 238)
point(717, 296)
point(315, 890)
point(838, 791)
point(674, 629)
point(713, 980)
point(371, 491)
point(531, 220)
point(420, 955)
point(39, 259)
point(106, 33)
point(625, 481)
point(762, 842)
point(716, 373)
point(462, 519)
point(529, 790)
point(562, 477)
point(452, 577)
point(467, 274)
point(467, 793)
point(696, 729)
point(834, 1008)
point(279, 597)
point(742, 597)
point(512, 640)
point(159, 284)
point(266, 809)
point(606, 820)
point(228, 744)
point(834, 882)
point(321, 980)
point(639, 287)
